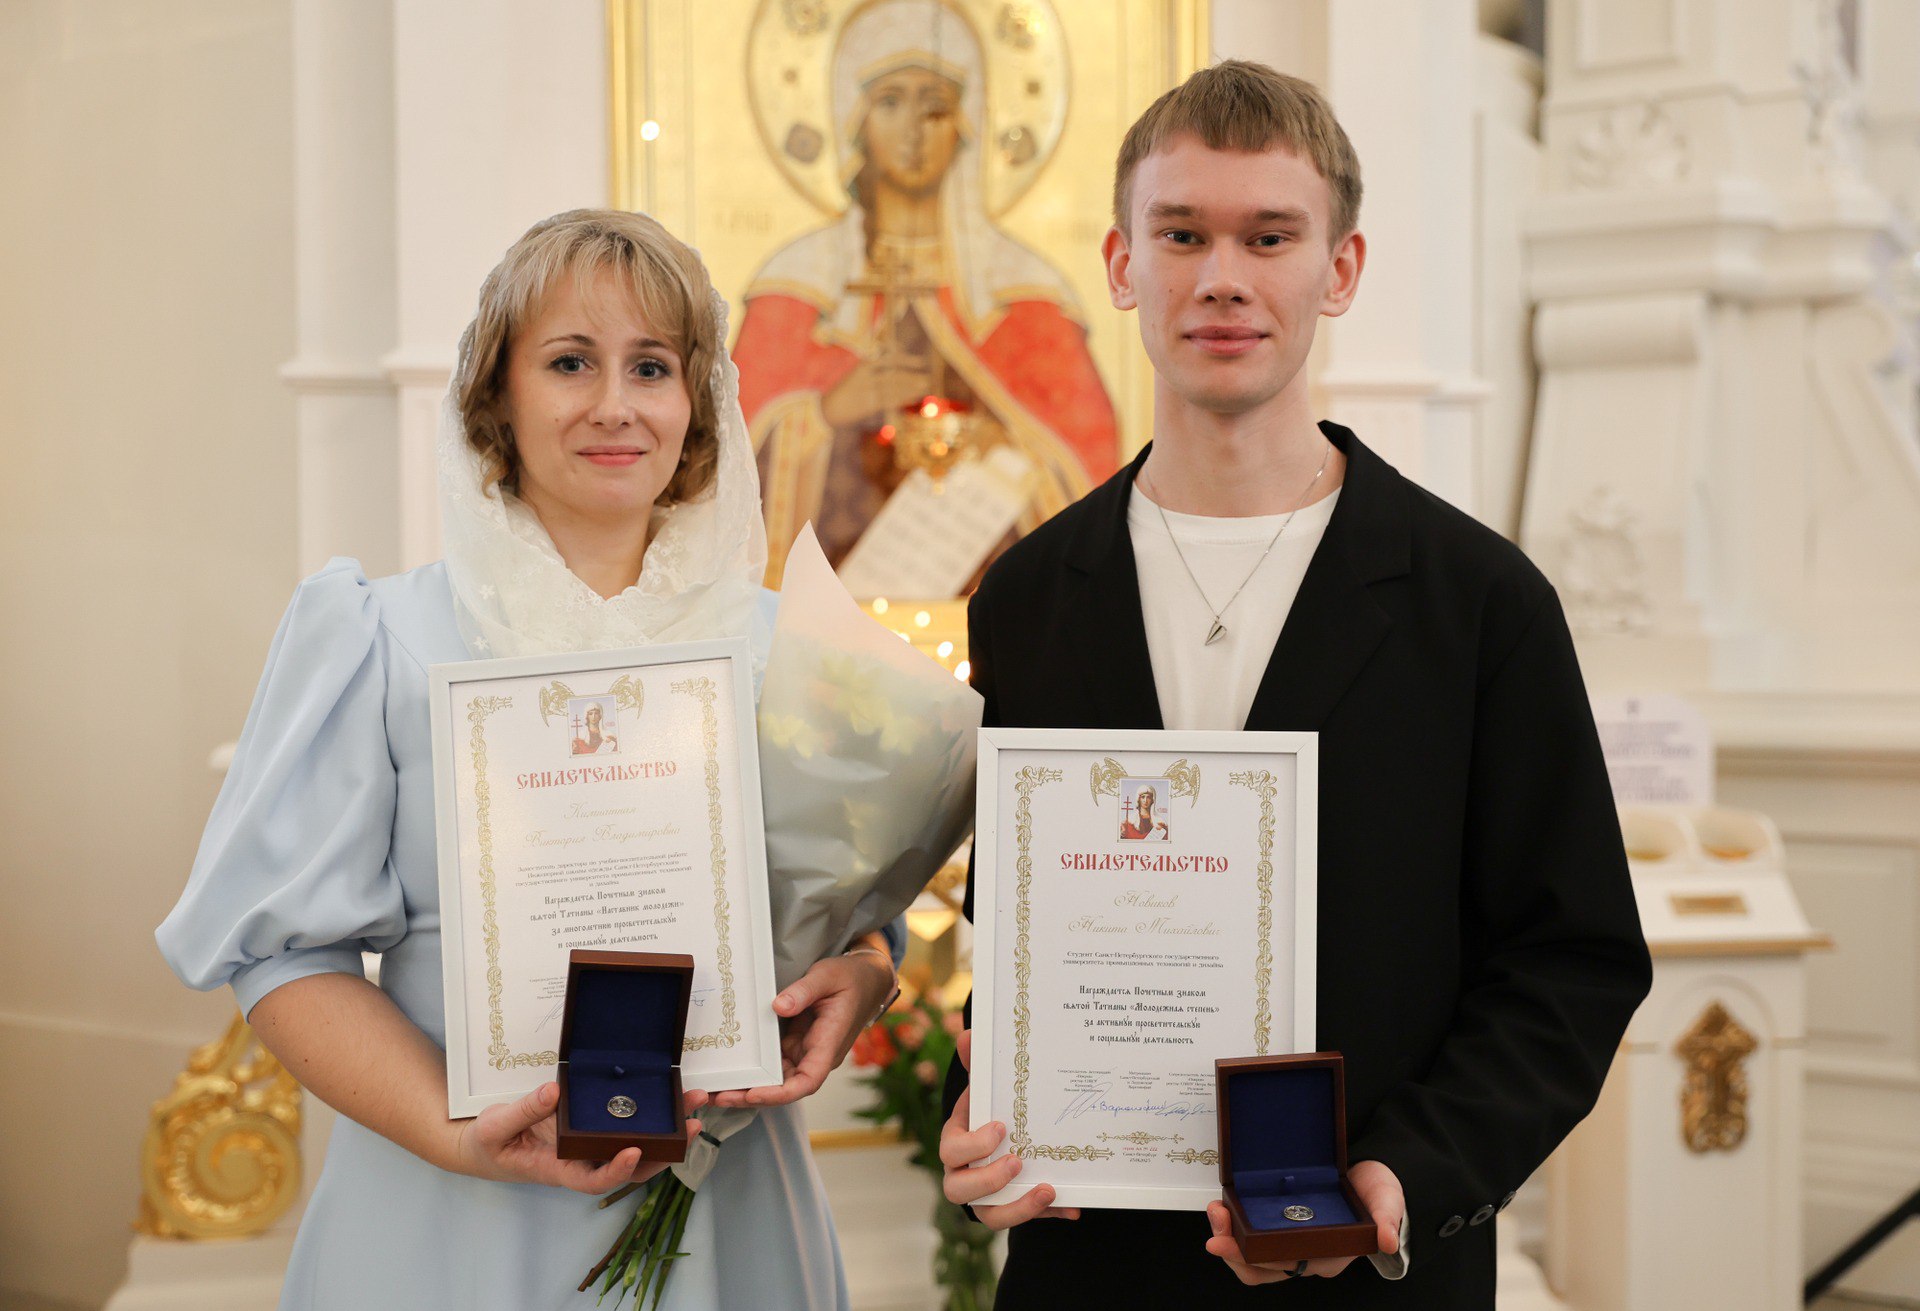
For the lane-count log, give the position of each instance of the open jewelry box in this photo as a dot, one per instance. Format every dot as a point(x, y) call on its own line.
point(622, 1029)
point(1283, 1158)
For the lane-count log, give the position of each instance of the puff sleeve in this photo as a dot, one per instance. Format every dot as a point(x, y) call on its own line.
point(292, 876)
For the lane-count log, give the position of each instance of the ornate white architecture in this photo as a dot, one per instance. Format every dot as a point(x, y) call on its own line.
point(1704, 252)
point(1724, 478)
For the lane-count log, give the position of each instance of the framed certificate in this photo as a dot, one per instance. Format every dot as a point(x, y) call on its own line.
point(603, 799)
point(1144, 904)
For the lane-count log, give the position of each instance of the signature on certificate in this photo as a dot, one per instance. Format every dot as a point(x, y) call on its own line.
point(550, 1016)
point(1093, 1101)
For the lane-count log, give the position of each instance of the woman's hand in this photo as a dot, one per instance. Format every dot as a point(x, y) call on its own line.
point(820, 1016)
point(963, 1184)
point(1378, 1187)
point(514, 1143)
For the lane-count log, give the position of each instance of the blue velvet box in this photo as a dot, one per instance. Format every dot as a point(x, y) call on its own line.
point(621, 1033)
point(1283, 1144)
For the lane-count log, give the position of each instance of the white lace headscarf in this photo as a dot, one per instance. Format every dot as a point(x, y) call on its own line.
point(513, 594)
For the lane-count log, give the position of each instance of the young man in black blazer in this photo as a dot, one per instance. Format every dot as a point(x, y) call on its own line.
point(1479, 949)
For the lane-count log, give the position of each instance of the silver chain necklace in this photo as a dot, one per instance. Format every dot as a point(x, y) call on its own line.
point(1219, 630)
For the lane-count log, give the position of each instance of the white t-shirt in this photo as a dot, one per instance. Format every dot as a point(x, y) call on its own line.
point(1212, 687)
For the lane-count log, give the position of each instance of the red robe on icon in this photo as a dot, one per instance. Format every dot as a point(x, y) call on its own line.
point(1024, 360)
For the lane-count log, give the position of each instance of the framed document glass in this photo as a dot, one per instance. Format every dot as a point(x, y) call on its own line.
point(1144, 904)
point(604, 799)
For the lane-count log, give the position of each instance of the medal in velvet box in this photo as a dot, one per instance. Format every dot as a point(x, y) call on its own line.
point(1283, 1158)
point(623, 1026)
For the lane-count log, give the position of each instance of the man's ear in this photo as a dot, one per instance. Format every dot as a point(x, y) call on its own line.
point(1119, 269)
point(1349, 258)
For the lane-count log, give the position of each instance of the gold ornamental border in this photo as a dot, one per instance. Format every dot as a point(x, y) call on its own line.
point(1263, 785)
point(1183, 774)
point(500, 1055)
point(1026, 781)
point(628, 693)
point(703, 691)
point(1195, 1156)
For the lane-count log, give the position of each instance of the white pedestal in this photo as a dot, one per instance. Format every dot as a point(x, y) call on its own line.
point(241, 1274)
point(1644, 1219)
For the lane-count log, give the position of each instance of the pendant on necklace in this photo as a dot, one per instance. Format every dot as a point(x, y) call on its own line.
point(1217, 632)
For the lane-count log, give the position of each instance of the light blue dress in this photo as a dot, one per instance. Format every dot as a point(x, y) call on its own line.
point(320, 847)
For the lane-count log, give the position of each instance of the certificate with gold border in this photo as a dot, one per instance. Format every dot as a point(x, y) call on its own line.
point(1144, 904)
point(603, 799)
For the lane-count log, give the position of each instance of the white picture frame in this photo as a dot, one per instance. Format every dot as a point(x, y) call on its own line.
point(690, 704)
point(1113, 1169)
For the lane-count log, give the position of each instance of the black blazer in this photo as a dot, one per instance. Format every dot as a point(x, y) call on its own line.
point(1480, 952)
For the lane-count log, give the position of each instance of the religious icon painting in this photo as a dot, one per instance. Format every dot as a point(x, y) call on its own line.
point(904, 201)
point(592, 726)
point(1144, 813)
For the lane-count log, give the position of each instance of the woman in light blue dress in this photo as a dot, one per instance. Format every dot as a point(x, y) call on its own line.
point(597, 491)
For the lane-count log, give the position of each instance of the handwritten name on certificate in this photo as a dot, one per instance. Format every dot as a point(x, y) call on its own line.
point(607, 799)
point(1144, 904)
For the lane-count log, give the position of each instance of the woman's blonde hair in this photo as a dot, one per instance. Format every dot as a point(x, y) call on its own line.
point(668, 283)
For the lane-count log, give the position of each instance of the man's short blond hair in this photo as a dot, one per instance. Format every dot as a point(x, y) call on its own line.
point(1240, 105)
point(671, 289)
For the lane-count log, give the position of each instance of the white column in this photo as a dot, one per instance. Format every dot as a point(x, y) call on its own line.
point(501, 120)
point(1725, 481)
point(344, 280)
point(1506, 151)
point(1888, 50)
point(1400, 364)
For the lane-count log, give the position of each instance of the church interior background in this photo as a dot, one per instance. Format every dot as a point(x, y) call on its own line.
point(1644, 295)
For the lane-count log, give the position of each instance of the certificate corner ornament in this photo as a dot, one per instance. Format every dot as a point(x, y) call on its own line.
point(553, 700)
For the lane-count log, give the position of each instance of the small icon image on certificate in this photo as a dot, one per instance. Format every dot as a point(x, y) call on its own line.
point(591, 727)
point(1144, 809)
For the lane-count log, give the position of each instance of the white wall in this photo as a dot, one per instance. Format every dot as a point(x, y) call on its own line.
point(146, 550)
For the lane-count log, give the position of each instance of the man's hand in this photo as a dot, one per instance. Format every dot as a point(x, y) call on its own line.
point(1379, 1190)
point(821, 1014)
point(963, 1184)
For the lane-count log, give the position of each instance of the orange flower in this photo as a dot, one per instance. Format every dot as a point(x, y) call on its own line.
point(874, 1047)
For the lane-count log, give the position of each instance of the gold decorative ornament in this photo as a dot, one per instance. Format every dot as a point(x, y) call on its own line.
point(221, 1158)
point(789, 48)
point(1713, 1097)
point(1191, 1156)
point(1261, 783)
point(499, 1055)
point(934, 435)
point(805, 17)
point(703, 691)
point(1139, 1138)
point(627, 693)
point(1105, 778)
point(1020, 25)
point(1026, 780)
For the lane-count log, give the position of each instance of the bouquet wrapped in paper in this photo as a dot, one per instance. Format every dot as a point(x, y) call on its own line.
point(867, 774)
point(866, 765)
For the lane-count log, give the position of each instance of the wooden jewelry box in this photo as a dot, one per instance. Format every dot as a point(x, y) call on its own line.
point(1283, 1158)
point(621, 1033)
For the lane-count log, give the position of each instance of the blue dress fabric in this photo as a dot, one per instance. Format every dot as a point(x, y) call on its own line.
point(321, 847)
